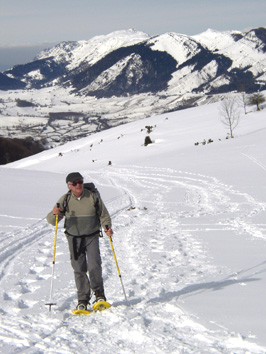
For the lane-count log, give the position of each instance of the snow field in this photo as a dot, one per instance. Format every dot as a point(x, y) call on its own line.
point(189, 237)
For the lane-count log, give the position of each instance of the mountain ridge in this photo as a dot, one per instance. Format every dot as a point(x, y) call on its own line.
point(68, 61)
point(127, 75)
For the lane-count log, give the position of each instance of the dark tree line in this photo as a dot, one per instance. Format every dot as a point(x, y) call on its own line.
point(15, 149)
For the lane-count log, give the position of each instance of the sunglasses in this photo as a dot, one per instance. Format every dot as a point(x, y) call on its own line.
point(76, 183)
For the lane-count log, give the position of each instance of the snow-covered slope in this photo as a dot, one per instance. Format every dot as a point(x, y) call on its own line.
point(190, 239)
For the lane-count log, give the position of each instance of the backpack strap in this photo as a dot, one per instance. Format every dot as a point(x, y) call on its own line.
point(65, 201)
point(96, 197)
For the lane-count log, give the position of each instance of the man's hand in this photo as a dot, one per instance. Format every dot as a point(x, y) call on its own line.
point(56, 210)
point(108, 231)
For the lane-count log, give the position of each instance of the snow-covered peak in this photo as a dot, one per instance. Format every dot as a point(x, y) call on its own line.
point(94, 49)
point(213, 39)
point(245, 49)
point(124, 35)
point(179, 46)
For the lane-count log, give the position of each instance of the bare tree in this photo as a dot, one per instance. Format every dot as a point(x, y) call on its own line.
point(229, 112)
point(256, 99)
point(242, 99)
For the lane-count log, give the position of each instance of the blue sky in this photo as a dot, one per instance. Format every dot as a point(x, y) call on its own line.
point(30, 21)
point(36, 21)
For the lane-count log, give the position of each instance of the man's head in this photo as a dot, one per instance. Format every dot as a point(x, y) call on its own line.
point(74, 182)
point(73, 176)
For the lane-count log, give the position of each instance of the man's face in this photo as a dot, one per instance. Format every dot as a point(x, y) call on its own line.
point(76, 187)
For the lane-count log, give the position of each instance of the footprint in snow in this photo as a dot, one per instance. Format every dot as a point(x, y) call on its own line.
point(11, 296)
point(22, 304)
point(7, 297)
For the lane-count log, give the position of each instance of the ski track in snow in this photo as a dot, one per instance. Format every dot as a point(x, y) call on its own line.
point(165, 206)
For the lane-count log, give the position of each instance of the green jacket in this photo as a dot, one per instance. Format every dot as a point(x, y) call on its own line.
point(81, 217)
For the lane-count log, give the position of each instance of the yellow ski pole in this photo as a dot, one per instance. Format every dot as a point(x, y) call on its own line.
point(118, 270)
point(51, 303)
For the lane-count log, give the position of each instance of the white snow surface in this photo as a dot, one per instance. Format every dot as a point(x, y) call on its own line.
point(190, 240)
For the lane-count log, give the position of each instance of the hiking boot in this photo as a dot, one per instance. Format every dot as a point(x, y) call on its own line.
point(82, 305)
point(99, 296)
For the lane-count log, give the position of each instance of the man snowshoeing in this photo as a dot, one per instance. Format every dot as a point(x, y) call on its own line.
point(83, 219)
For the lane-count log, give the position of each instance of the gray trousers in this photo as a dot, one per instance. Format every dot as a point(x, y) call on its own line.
point(85, 257)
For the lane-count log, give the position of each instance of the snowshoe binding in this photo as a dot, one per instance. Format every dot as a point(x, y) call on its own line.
point(82, 309)
point(100, 302)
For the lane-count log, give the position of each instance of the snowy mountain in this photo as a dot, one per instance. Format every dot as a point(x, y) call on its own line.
point(128, 75)
point(131, 62)
point(190, 240)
